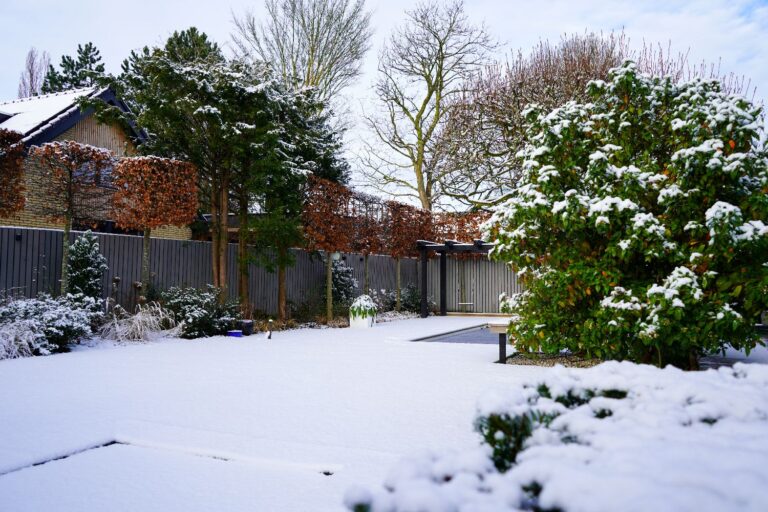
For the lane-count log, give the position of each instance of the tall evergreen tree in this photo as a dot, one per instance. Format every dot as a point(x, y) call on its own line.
point(309, 144)
point(252, 139)
point(75, 72)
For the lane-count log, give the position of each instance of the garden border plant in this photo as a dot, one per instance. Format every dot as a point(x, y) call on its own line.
point(638, 229)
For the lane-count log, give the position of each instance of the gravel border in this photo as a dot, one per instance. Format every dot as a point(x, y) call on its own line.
point(548, 360)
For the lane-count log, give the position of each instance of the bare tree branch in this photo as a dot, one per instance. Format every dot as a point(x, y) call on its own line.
point(421, 69)
point(316, 43)
point(33, 75)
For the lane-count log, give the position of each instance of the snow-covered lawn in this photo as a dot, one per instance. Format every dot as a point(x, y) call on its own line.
point(237, 424)
point(288, 424)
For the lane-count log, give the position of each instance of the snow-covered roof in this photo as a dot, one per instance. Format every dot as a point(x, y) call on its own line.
point(33, 115)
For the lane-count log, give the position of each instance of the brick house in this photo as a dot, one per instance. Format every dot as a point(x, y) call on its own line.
point(52, 117)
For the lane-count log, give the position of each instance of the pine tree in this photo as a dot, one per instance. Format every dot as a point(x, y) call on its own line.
point(74, 73)
point(86, 266)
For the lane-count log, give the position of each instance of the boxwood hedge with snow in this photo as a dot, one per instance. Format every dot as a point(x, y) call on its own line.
point(638, 228)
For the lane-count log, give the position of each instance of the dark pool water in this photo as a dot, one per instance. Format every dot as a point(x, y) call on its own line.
point(483, 335)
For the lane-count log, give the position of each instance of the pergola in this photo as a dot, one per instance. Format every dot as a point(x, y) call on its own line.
point(449, 246)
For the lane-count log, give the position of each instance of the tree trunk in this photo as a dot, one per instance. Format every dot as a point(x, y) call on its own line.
point(328, 287)
point(64, 287)
point(693, 361)
point(366, 277)
point(214, 228)
point(281, 296)
point(145, 255)
point(242, 263)
point(223, 240)
point(398, 303)
point(243, 273)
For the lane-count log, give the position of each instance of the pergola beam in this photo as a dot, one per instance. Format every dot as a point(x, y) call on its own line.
point(445, 248)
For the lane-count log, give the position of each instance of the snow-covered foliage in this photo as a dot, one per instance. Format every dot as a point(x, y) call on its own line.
point(344, 285)
point(23, 338)
point(148, 321)
point(199, 312)
point(86, 266)
point(639, 225)
point(618, 436)
point(363, 307)
point(410, 299)
point(44, 325)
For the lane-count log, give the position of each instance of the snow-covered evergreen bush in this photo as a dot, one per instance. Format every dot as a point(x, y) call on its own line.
point(344, 285)
point(383, 299)
point(363, 307)
point(61, 321)
point(619, 436)
point(23, 338)
point(410, 299)
point(639, 226)
point(198, 312)
point(86, 266)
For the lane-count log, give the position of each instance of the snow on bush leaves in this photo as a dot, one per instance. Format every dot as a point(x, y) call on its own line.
point(363, 307)
point(23, 338)
point(198, 312)
point(651, 187)
point(86, 266)
point(53, 324)
point(618, 436)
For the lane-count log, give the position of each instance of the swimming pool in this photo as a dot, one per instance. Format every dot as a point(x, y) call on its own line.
point(481, 335)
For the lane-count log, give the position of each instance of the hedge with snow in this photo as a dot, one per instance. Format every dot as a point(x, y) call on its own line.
point(639, 226)
point(619, 436)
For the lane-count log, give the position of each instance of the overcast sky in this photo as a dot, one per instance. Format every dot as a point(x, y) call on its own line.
point(735, 31)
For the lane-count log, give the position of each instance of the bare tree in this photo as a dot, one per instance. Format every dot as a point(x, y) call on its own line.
point(485, 125)
point(33, 75)
point(421, 69)
point(657, 60)
point(317, 43)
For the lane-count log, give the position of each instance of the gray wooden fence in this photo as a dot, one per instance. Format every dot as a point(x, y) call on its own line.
point(473, 284)
point(30, 263)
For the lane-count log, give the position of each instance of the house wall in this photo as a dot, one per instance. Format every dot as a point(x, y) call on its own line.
point(87, 131)
point(90, 131)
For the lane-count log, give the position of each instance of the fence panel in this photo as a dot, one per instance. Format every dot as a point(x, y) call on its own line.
point(30, 263)
point(473, 284)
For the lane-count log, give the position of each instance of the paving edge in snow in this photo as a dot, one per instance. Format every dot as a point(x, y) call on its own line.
point(60, 457)
point(327, 470)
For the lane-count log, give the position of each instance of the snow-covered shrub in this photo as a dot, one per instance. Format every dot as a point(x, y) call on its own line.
point(639, 225)
point(344, 286)
point(148, 320)
point(23, 338)
point(618, 436)
point(198, 312)
point(410, 299)
point(384, 299)
point(86, 266)
point(62, 321)
point(363, 307)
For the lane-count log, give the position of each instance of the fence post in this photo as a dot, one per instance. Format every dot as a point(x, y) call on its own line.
point(424, 304)
point(443, 284)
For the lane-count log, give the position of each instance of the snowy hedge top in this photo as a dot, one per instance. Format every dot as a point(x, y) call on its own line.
point(618, 436)
point(363, 306)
